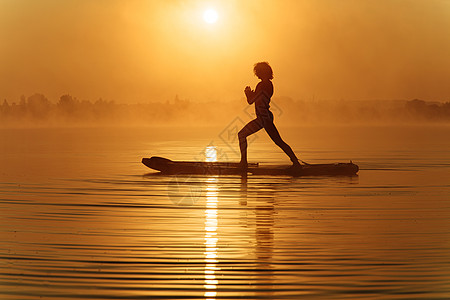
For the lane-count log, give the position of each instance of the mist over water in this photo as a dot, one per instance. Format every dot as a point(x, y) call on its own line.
point(68, 111)
point(82, 218)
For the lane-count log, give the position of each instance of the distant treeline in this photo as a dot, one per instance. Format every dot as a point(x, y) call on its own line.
point(68, 110)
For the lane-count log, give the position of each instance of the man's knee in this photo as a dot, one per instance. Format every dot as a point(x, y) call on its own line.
point(242, 135)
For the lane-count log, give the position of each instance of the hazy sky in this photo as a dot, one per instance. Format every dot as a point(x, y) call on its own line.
point(137, 51)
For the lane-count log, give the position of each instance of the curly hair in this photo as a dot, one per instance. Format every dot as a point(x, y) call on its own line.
point(263, 70)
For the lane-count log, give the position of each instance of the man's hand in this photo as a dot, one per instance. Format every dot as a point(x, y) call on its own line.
point(250, 95)
point(248, 91)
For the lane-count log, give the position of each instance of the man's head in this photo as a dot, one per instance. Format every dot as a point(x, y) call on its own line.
point(263, 70)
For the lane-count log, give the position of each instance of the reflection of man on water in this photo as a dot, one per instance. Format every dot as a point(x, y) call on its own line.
point(264, 117)
point(264, 210)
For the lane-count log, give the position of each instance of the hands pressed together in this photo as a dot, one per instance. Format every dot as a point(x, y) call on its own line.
point(248, 90)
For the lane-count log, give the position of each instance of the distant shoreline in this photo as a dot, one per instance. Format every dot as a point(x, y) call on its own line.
point(37, 110)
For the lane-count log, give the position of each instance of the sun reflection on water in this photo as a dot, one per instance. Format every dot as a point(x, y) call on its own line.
point(211, 239)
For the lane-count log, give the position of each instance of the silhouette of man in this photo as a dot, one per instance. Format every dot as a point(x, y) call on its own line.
point(264, 117)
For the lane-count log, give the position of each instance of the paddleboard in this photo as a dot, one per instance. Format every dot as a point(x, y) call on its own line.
point(167, 166)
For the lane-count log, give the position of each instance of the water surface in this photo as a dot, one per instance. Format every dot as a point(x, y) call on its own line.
point(81, 218)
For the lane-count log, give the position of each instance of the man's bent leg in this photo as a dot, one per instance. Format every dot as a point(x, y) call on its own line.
point(252, 127)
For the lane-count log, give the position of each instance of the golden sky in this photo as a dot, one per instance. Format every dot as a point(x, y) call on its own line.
point(138, 51)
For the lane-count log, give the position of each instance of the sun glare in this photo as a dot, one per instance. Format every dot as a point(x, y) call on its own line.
point(210, 16)
point(210, 153)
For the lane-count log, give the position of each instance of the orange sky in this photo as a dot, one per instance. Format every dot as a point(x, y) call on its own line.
point(140, 51)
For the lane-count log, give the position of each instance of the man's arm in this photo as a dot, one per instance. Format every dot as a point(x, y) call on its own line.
point(250, 95)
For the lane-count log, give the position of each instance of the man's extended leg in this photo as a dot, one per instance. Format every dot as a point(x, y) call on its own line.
point(250, 128)
point(272, 131)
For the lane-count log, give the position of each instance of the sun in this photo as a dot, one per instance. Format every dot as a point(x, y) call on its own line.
point(210, 16)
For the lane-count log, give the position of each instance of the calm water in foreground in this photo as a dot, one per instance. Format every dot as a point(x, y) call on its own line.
point(82, 218)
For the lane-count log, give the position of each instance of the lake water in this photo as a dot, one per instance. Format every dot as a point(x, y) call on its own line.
point(82, 218)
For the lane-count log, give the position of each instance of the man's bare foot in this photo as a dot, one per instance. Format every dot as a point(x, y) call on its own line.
point(295, 168)
point(296, 165)
point(243, 165)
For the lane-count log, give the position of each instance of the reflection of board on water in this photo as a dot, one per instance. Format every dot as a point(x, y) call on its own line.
point(168, 166)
